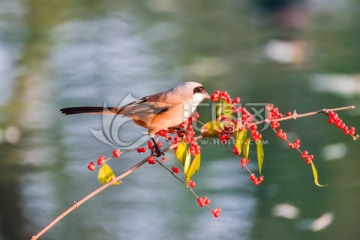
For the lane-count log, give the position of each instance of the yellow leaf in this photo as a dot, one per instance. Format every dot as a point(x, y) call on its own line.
point(106, 174)
point(210, 129)
point(240, 140)
point(246, 148)
point(260, 154)
point(316, 176)
point(180, 152)
point(228, 110)
point(223, 108)
point(195, 166)
point(187, 161)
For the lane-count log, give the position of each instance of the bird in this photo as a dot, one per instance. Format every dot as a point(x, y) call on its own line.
point(155, 112)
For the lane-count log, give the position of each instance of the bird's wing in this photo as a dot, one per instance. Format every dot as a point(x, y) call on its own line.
point(153, 104)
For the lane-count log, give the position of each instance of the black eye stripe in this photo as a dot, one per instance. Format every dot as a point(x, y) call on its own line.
point(199, 89)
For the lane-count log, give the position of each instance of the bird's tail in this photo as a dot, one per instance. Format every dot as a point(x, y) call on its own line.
point(93, 110)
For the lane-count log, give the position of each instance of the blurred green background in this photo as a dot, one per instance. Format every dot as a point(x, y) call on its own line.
point(302, 55)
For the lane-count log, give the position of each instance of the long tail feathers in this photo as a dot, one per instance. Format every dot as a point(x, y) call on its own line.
point(93, 110)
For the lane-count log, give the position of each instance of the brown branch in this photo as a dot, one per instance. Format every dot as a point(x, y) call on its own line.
point(296, 116)
point(87, 197)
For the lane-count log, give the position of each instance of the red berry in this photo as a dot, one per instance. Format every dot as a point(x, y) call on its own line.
point(269, 107)
point(304, 154)
point(215, 97)
point(175, 169)
point(101, 160)
point(91, 166)
point(201, 202)
point(236, 150)
point(274, 124)
point(252, 177)
point(297, 143)
point(260, 179)
point(236, 100)
point(330, 121)
point(196, 115)
point(308, 160)
point(191, 184)
point(288, 114)
point(206, 201)
point(150, 144)
point(334, 116)
point(330, 113)
point(243, 162)
point(163, 159)
point(151, 160)
point(116, 153)
point(216, 212)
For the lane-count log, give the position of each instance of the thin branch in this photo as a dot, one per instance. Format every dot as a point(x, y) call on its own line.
point(296, 116)
point(87, 197)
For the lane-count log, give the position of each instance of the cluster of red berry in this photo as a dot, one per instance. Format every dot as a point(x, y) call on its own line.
point(246, 116)
point(216, 212)
point(295, 144)
point(203, 201)
point(308, 157)
point(186, 132)
point(256, 180)
point(243, 162)
point(273, 113)
point(224, 137)
point(335, 120)
point(141, 150)
point(243, 120)
point(217, 96)
point(255, 135)
point(191, 184)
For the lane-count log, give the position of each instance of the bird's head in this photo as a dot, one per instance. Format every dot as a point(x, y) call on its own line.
point(192, 91)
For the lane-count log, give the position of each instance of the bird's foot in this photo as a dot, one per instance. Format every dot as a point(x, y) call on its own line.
point(156, 149)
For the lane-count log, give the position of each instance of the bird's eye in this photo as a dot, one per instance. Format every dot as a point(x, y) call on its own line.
point(200, 89)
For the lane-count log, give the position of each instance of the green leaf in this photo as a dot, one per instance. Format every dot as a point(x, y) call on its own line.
point(180, 152)
point(210, 129)
point(106, 174)
point(316, 176)
point(240, 140)
point(260, 154)
point(195, 166)
point(246, 148)
point(187, 161)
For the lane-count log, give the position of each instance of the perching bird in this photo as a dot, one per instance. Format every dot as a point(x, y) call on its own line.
point(156, 112)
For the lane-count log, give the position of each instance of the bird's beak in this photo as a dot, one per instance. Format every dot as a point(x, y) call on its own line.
point(206, 95)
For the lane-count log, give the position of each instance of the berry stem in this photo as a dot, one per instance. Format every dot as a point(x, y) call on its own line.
point(181, 181)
